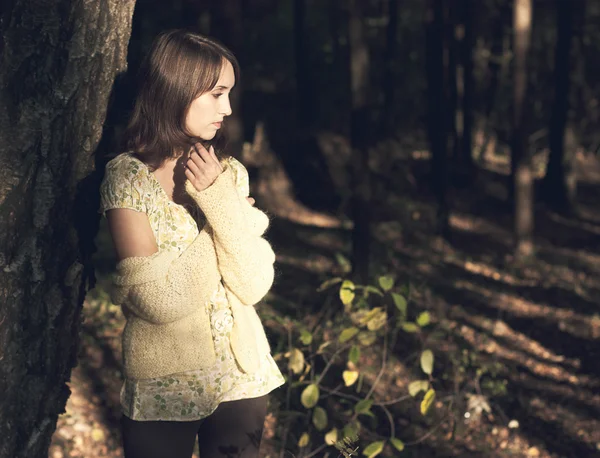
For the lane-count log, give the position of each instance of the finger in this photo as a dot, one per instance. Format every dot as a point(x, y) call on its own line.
point(189, 175)
point(204, 154)
point(200, 151)
point(250, 200)
point(193, 167)
point(211, 151)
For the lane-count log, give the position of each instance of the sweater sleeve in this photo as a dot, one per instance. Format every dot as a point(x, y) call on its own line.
point(245, 259)
point(158, 288)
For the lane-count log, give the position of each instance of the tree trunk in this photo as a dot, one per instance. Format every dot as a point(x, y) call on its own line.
point(304, 110)
point(437, 108)
point(227, 25)
point(359, 125)
point(468, 87)
point(58, 63)
point(554, 186)
point(390, 62)
point(521, 167)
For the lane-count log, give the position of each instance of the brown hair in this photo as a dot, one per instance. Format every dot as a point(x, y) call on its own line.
point(180, 67)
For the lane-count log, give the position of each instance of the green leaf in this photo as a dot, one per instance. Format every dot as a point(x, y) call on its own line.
point(296, 362)
point(427, 361)
point(417, 386)
point(386, 282)
point(409, 327)
point(400, 303)
point(397, 443)
point(424, 319)
point(343, 262)
point(372, 289)
point(354, 354)
point(367, 338)
point(427, 400)
point(347, 334)
point(304, 439)
point(331, 437)
point(373, 449)
point(306, 337)
point(347, 292)
point(351, 430)
point(363, 406)
point(310, 396)
point(350, 377)
point(319, 418)
point(328, 283)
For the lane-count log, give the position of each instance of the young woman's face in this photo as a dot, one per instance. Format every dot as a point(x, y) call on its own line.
point(206, 113)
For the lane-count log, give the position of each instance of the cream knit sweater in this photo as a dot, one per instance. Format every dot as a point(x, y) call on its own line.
point(164, 296)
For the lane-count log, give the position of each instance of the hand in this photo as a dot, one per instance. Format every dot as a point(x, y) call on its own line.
point(250, 200)
point(203, 167)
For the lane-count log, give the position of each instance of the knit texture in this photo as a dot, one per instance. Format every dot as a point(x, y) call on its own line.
point(164, 295)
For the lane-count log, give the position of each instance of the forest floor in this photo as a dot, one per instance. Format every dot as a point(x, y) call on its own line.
point(533, 326)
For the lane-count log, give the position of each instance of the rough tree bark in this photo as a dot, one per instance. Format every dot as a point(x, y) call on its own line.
point(521, 166)
point(58, 61)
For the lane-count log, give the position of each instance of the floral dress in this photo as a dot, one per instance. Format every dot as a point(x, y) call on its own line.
point(190, 395)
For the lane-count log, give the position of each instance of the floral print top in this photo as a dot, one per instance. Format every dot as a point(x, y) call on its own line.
point(190, 395)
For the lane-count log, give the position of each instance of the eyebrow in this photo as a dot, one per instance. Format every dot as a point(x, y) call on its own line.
point(221, 87)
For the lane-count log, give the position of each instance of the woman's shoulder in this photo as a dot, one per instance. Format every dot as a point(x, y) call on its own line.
point(126, 184)
point(126, 165)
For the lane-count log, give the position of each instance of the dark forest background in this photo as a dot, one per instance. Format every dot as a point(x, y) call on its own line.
point(432, 173)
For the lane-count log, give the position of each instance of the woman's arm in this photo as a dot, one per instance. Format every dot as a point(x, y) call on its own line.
point(158, 289)
point(245, 259)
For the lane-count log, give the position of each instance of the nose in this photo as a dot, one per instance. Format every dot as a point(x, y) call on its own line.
point(225, 108)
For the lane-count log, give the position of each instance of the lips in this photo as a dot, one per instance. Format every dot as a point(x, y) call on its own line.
point(217, 124)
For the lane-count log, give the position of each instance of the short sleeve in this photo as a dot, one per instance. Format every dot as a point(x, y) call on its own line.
point(240, 175)
point(126, 184)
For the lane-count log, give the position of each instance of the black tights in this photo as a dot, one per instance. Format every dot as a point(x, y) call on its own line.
point(234, 430)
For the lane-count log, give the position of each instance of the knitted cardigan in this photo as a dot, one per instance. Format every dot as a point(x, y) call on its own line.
point(164, 296)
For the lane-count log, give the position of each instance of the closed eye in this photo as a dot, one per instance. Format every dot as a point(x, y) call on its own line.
point(217, 95)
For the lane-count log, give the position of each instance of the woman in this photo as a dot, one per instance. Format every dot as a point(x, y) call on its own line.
point(192, 263)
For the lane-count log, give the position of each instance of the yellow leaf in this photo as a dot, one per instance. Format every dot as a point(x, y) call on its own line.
point(427, 400)
point(377, 322)
point(410, 327)
point(303, 442)
point(347, 292)
point(424, 319)
point(373, 449)
point(331, 437)
point(296, 362)
point(350, 377)
point(417, 386)
point(427, 361)
point(367, 338)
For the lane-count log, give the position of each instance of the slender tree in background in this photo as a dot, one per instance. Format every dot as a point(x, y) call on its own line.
point(436, 114)
point(227, 25)
point(559, 184)
point(359, 131)
point(303, 84)
point(467, 86)
point(57, 68)
point(390, 59)
point(521, 166)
